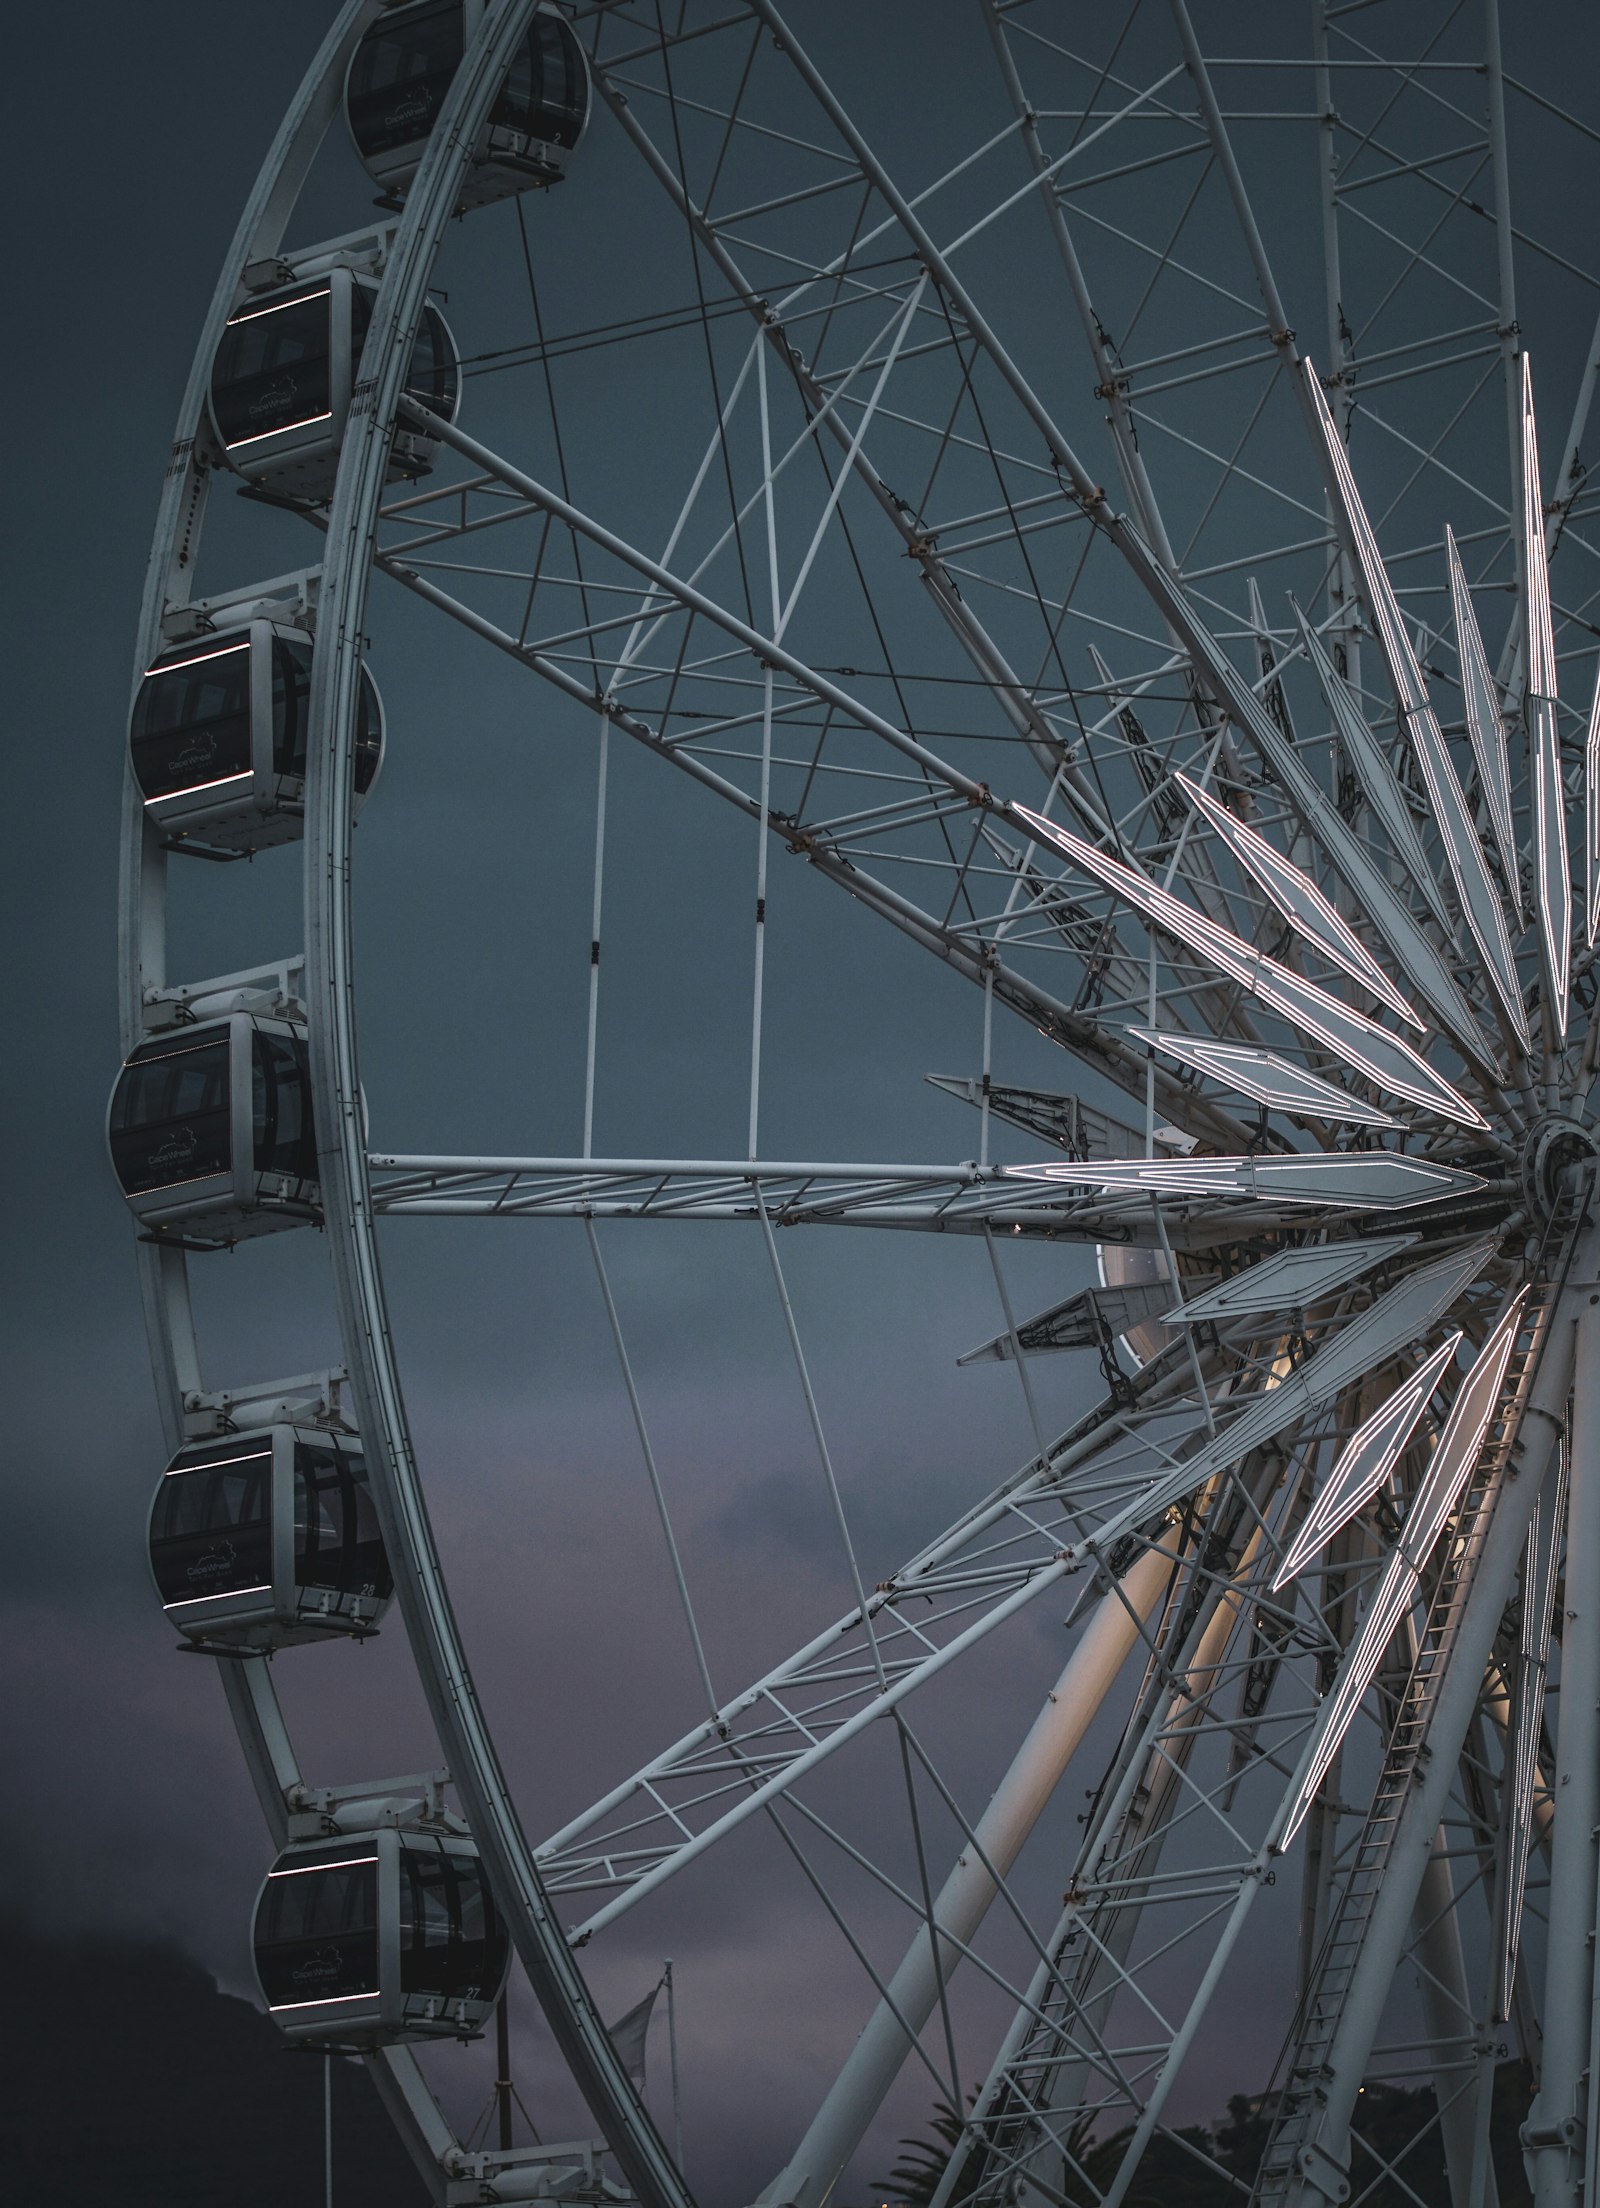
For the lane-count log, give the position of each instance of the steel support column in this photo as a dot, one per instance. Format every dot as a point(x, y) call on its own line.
point(1554, 2137)
point(1389, 1929)
point(1447, 2005)
point(875, 2061)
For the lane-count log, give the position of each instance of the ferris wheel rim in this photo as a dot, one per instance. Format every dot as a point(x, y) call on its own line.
point(340, 1089)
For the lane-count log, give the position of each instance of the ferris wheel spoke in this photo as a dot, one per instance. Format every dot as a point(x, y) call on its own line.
point(1115, 1476)
point(1330, 1024)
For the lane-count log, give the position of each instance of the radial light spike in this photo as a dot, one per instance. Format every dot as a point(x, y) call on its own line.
point(1298, 898)
point(1291, 1280)
point(1374, 773)
point(1591, 817)
point(1486, 728)
point(1371, 1052)
point(1262, 1075)
point(1476, 892)
point(1375, 895)
point(1363, 1343)
point(1448, 1471)
point(1355, 1180)
point(1551, 875)
point(1365, 1462)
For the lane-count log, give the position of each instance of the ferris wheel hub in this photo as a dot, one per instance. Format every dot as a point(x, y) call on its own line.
point(1554, 1147)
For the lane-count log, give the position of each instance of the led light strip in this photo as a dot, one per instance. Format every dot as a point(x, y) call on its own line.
point(1552, 878)
point(211, 1464)
point(1309, 1008)
point(341, 1863)
point(176, 666)
point(193, 789)
point(327, 2001)
point(1366, 1461)
point(279, 306)
point(1300, 901)
point(226, 1594)
point(237, 444)
point(1477, 898)
point(1374, 773)
point(1441, 1487)
point(1486, 731)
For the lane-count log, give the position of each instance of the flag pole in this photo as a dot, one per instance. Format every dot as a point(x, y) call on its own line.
point(672, 2051)
point(502, 2083)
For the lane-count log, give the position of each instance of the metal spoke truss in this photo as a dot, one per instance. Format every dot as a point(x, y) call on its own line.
point(1109, 534)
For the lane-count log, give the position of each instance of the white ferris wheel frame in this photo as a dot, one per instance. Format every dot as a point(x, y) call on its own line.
point(358, 1187)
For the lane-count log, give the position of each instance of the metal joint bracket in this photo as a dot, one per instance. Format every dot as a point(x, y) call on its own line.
point(1566, 2133)
point(1317, 2166)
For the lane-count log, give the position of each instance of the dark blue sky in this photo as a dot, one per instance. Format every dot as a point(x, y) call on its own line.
point(134, 136)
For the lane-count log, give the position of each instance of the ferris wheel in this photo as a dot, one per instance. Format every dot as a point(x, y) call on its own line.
point(1114, 532)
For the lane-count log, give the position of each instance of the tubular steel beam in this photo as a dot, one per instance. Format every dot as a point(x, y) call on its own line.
point(875, 2062)
point(423, 1597)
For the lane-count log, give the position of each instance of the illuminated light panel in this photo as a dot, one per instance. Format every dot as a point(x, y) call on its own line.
point(1486, 729)
point(193, 789)
point(1476, 894)
point(214, 1464)
point(1365, 1462)
point(1372, 1051)
point(176, 666)
point(229, 1594)
point(1397, 1317)
point(1291, 1280)
point(1552, 879)
point(280, 306)
point(326, 2001)
point(1374, 773)
point(302, 1870)
point(237, 444)
point(1375, 895)
point(1447, 1474)
point(1364, 1180)
point(189, 1180)
point(1266, 1077)
point(1299, 900)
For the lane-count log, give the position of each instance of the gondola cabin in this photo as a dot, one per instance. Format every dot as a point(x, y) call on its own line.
point(379, 1936)
point(210, 1130)
point(264, 1540)
point(218, 738)
point(283, 375)
point(402, 69)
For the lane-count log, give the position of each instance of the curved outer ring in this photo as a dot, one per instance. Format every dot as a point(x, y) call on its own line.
point(423, 1600)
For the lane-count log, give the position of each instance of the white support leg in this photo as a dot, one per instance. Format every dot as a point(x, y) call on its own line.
point(876, 2059)
point(1553, 2138)
point(1447, 2006)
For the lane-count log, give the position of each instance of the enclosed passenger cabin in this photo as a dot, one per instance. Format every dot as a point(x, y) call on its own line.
point(282, 378)
point(210, 1130)
point(402, 69)
point(264, 1540)
point(379, 1936)
point(218, 738)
